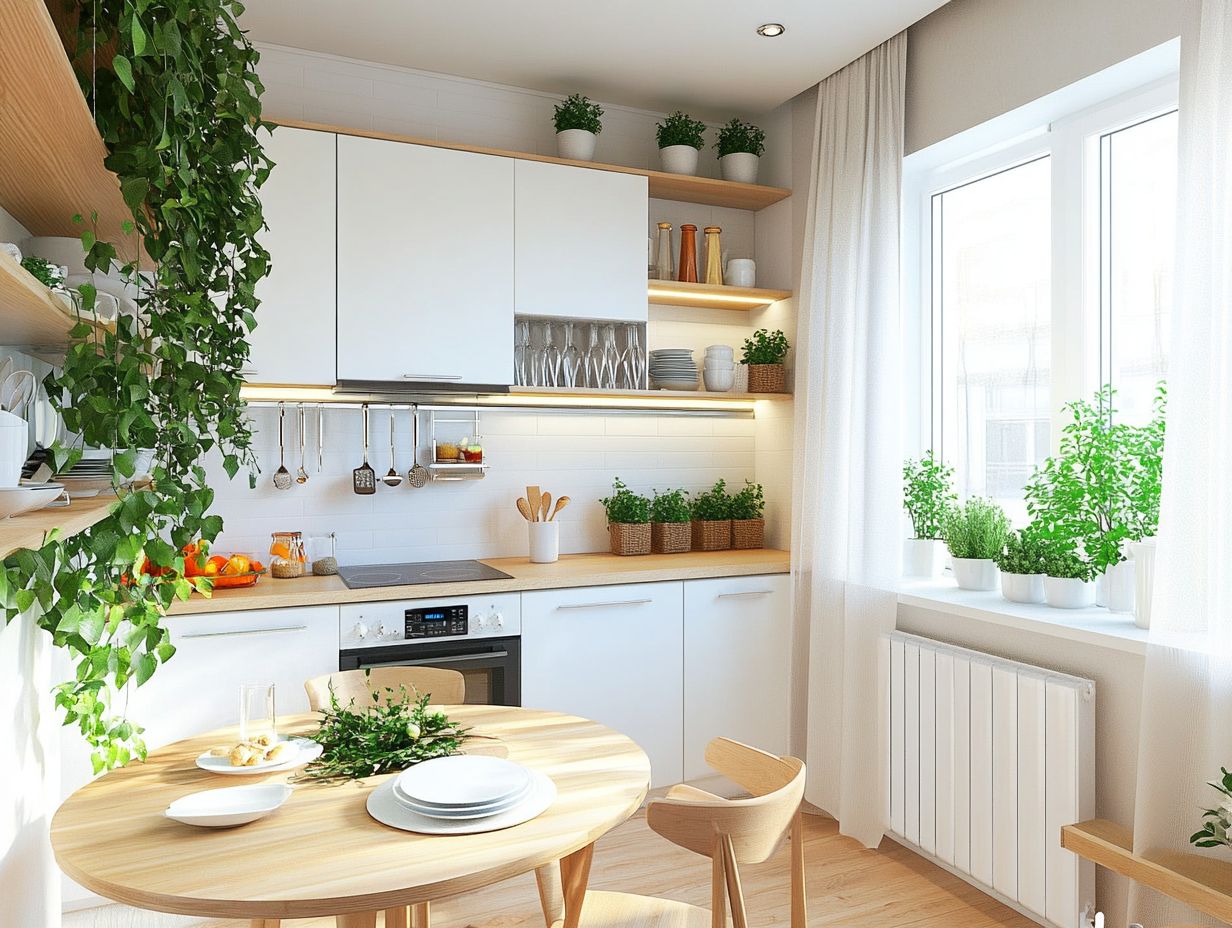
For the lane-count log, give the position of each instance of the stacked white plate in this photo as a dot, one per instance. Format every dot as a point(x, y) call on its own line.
point(719, 369)
point(462, 794)
point(673, 369)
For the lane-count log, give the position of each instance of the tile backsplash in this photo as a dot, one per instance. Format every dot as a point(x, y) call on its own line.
point(570, 454)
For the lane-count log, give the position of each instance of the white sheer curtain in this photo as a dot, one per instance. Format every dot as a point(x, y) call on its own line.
point(1186, 727)
point(846, 534)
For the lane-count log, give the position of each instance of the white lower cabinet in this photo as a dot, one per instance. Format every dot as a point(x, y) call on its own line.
point(613, 654)
point(737, 665)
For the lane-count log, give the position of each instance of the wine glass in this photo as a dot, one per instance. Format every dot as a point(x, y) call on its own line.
point(551, 358)
point(635, 360)
point(521, 352)
point(594, 359)
point(571, 358)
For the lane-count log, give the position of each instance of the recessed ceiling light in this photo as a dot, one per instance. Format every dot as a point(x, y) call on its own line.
point(770, 30)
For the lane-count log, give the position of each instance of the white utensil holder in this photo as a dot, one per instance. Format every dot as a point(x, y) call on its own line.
point(544, 542)
point(14, 446)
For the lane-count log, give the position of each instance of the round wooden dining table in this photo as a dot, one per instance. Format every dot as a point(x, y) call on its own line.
point(321, 854)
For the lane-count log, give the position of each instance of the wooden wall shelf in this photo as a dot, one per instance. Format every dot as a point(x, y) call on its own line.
point(704, 190)
point(51, 155)
point(1200, 882)
point(29, 315)
point(712, 296)
point(585, 397)
point(29, 530)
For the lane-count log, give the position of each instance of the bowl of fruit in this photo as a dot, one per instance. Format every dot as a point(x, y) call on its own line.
point(223, 571)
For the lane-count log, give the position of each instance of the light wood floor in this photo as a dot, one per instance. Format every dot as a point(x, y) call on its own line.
point(847, 886)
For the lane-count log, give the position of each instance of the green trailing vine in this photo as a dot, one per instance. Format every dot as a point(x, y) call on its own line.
point(177, 102)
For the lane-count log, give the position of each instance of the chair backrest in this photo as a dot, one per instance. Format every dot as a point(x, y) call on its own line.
point(446, 687)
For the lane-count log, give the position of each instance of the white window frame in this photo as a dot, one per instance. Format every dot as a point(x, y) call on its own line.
point(1072, 143)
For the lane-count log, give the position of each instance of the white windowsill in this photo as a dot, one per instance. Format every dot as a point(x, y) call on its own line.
point(1094, 625)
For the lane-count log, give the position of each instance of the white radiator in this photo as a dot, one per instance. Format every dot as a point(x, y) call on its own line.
point(988, 758)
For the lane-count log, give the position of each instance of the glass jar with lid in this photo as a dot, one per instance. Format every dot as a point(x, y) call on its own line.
point(287, 555)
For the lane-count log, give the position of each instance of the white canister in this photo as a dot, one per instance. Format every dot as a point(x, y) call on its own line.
point(740, 272)
point(1144, 580)
point(544, 542)
point(923, 558)
point(14, 447)
point(576, 144)
point(679, 159)
point(975, 573)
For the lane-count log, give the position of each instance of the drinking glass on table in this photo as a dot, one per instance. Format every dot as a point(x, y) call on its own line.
point(257, 713)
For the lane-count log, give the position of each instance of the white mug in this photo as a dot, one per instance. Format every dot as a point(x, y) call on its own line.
point(741, 272)
point(14, 447)
point(544, 542)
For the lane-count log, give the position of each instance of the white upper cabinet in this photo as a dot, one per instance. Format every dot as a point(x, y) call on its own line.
point(425, 264)
point(294, 339)
point(581, 242)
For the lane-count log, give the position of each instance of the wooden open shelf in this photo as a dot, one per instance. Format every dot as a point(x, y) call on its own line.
point(705, 190)
point(584, 397)
point(1200, 882)
point(29, 530)
point(29, 315)
point(712, 296)
point(51, 155)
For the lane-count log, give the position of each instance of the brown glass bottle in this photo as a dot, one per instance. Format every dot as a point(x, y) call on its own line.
point(687, 265)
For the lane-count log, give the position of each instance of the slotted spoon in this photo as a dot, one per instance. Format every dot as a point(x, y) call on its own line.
point(393, 478)
point(282, 476)
point(417, 476)
point(301, 476)
point(363, 478)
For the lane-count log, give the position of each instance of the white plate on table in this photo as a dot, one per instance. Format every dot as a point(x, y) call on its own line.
point(228, 807)
point(386, 809)
point(307, 751)
point(463, 812)
point(463, 781)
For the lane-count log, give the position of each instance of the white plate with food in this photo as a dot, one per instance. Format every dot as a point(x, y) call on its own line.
point(228, 807)
point(249, 758)
point(384, 806)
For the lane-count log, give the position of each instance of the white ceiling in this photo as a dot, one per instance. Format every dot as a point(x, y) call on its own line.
point(657, 54)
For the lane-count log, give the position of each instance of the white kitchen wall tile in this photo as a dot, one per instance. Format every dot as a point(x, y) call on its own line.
point(632, 425)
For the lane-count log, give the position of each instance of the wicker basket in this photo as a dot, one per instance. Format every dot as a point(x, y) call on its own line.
point(748, 533)
point(767, 378)
point(629, 538)
point(712, 536)
point(671, 537)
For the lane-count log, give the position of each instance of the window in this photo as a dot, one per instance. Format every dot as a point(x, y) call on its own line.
point(1042, 267)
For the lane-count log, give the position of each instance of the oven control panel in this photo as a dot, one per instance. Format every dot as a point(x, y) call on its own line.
point(364, 625)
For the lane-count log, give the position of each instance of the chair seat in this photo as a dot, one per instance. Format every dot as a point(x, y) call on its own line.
point(627, 910)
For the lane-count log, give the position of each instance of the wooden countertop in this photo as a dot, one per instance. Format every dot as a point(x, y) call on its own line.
point(572, 570)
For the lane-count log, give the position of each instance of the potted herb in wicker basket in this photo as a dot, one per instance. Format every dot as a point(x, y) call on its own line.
point(711, 513)
point(628, 520)
point(670, 531)
point(764, 354)
point(748, 511)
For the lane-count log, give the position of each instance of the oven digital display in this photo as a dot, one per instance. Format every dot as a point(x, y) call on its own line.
point(436, 622)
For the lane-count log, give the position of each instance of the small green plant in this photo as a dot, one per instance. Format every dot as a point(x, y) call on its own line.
point(578, 112)
point(670, 507)
point(680, 129)
point(928, 492)
point(765, 347)
point(977, 529)
point(1024, 553)
point(624, 507)
point(43, 271)
point(739, 136)
point(1216, 828)
point(712, 506)
point(748, 503)
point(1065, 564)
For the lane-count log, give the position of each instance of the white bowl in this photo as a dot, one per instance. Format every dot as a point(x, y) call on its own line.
point(228, 807)
point(720, 351)
point(719, 365)
point(28, 497)
point(720, 382)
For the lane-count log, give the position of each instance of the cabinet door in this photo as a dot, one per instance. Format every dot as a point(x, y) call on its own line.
point(425, 264)
point(612, 654)
point(737, 665)
point(581, 242)
point(295, 335)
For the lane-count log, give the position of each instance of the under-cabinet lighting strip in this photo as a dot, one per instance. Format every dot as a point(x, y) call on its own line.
point(694, 296)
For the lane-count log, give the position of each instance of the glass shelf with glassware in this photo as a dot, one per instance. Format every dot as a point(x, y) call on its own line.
point(579, 354)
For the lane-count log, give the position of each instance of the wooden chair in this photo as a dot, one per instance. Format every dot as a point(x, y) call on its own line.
point(447, 687)
point(730, 832)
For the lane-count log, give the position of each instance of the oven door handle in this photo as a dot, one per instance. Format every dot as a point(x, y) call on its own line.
point(423, 662)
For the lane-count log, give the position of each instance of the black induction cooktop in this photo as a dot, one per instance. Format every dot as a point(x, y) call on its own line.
point(366, 576)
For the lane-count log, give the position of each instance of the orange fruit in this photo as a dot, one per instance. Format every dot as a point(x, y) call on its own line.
point(236, 564)
point(278, 549)
point(215, 565)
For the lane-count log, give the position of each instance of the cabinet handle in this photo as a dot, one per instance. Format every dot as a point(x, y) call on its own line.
point(425, 661)
point(619, 602)
point(249, 371)
point(431, 376)
point(745, 593)
point(248, 631)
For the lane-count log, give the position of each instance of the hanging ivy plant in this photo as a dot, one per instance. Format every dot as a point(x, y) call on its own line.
point(177, 102)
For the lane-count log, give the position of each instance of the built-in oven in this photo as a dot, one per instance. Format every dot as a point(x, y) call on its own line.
point(479, 636)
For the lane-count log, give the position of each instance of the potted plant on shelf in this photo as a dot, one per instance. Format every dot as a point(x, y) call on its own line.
point(748, 511)
point(680, 140)
point(928, 491)
point(711, 512)
point(578, 125)
point(740, 146)
point(1021, 563)
point(628, 520)
point(764, 354)
point(974, 534)
point(1067, 581)
point(670, 532)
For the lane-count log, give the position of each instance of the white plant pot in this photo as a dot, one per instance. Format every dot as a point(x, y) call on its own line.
point(679, 159)
point(975, 573)
point(1119, 587)
point(1068, 593)
point(923, 558)
point(740, 166)
point(576, 144)
point(1144, 580)
point(1022, 588)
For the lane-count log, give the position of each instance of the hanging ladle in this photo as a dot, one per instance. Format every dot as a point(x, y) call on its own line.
point(393, 478)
